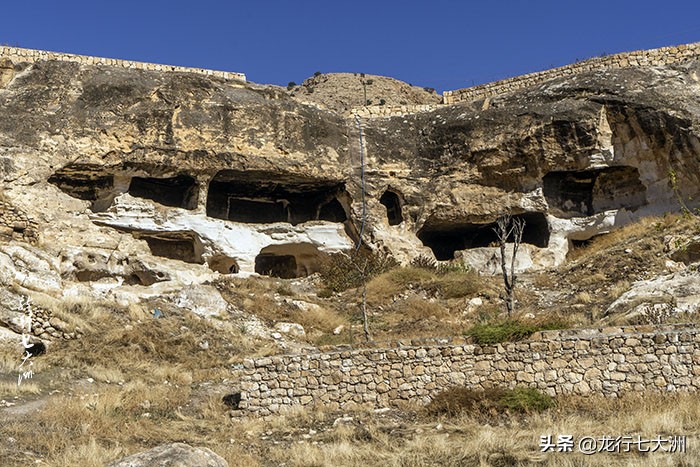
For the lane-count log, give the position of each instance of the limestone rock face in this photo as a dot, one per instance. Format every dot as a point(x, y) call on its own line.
point(660, 298)
point(173, 455)
point(589, 153)
point(132, 183)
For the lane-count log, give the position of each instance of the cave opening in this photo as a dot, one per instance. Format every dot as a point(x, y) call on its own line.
point(86, 182)
point(261, 198)
point(142, 277)
point(332, 211)
point(392, 202)
point(444, 241)
point(256, 211)
point(288, 261)
point(588, 192)
point(182, 246)
point(179, 192)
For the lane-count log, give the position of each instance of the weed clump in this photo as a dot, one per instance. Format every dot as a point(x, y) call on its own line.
point(459, 400)
point(511, 330)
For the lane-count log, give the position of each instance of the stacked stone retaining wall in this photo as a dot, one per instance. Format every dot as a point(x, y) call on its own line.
point(607, 361)
point(16, 224)
point(18, 55)
point(661, 56)
point(386, 111)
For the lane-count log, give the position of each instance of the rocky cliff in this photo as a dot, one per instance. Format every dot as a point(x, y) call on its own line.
point(127, 183)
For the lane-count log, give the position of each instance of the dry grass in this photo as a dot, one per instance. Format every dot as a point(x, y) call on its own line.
point(154, 383)
point(76, 311)
point(597, 274)
point(446, 285)
point(641, 228)
point(10, 358)
point(93, 431)
point(105, 374)
point(11, 388)
point(262, 298)
point(427, 440)
point(583, 298)
point(163, 397)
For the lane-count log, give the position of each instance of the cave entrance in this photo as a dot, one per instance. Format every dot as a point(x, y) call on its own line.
point(332, 211)
point(183, 246)
point(392, 203)
point(262, 198)
point(588, 192)
point(445, 241)
point(179, 192)
point(86, 182)
point(289, 260)
point(259, 211)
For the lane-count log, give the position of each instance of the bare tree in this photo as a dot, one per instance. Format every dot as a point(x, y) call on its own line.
point(362, 265)
point(506, 228)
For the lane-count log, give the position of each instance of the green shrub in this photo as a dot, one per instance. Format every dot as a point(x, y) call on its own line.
point(458, 400)
point(510, 330)
point(291, 85)
point(526, 400)
point(454, 266)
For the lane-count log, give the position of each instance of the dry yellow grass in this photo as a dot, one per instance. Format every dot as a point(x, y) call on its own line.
point(466, 440)
point(583, 298)
point(11, 388)
point(154, 383)
point(93, 430)
point(10, 357)
point(161, 396)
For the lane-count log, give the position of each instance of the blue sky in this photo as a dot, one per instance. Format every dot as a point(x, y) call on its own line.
point(441, 44)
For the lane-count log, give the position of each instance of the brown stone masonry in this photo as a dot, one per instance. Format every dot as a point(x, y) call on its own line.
point(606, 361)
point(662, 56)
point(17, 55)
point(15, 224)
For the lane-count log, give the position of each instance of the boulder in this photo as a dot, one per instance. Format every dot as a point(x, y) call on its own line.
point(683, 250)
point(660, 297)
point(172, 455)
point(292, 329)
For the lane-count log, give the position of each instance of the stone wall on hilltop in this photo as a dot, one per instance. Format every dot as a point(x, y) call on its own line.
point(663, 56)
point(17, 54)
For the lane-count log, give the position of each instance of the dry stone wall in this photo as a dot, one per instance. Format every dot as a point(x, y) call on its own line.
point(607, 361)
point(15, 224)
point(662, 56)
point(17, 55)
point(386, 111)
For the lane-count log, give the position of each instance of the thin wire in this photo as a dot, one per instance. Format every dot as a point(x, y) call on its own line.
point(362, 164)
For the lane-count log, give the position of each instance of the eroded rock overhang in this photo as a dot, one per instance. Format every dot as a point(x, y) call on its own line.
point(223, 172)
point(572, 163)
point(230, 220)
